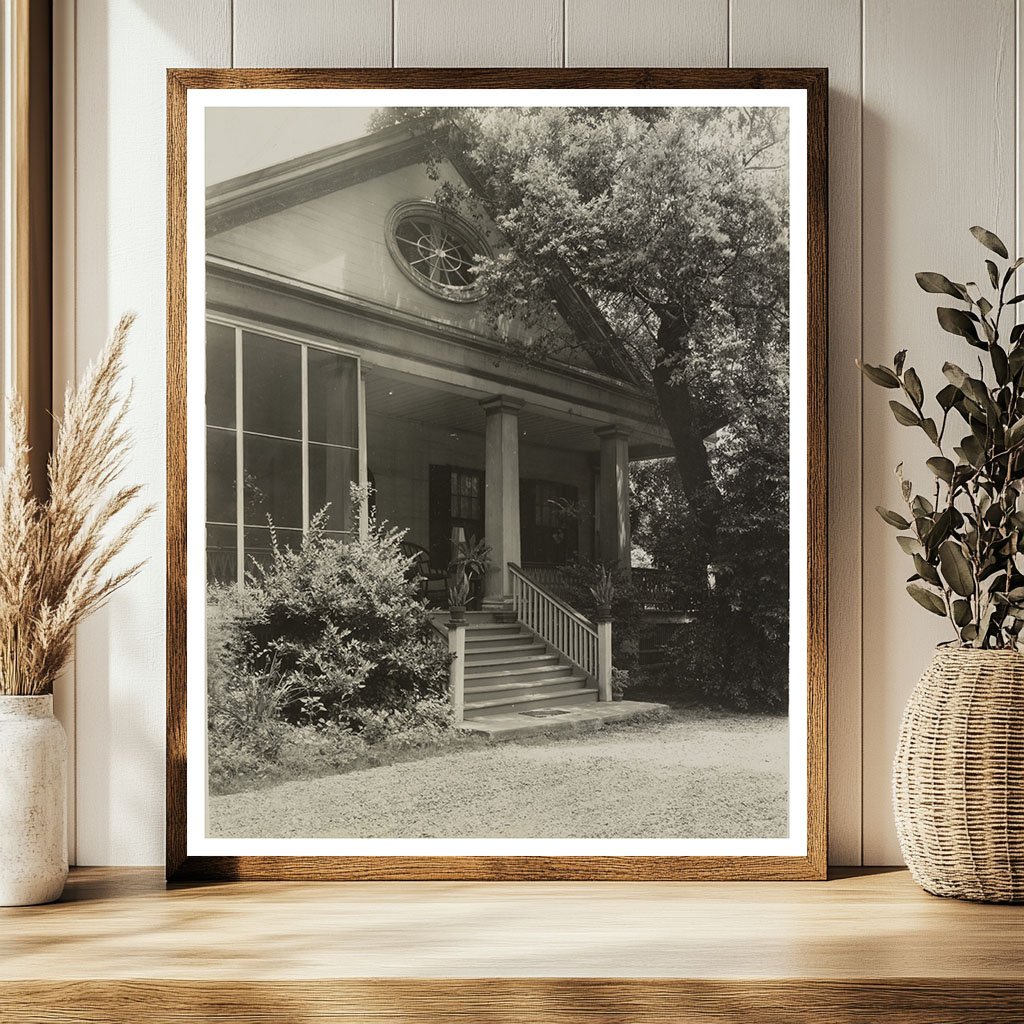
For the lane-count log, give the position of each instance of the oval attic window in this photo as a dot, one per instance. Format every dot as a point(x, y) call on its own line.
point(437, 250)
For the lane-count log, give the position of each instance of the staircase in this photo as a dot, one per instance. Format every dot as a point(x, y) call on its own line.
point(510, 669)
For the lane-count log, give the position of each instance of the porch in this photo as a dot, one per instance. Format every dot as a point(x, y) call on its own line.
point(313, 389)
point(543, 485)
point(546, 483)
point(533, 459)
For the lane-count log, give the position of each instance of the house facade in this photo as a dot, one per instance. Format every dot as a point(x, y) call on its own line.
point(346, 345)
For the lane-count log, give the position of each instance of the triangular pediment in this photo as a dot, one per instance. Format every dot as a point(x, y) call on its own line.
point(322, 219)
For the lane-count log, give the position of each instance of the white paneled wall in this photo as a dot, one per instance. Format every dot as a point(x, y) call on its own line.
point(791, 33)
point(925, 103)
point(939, 155)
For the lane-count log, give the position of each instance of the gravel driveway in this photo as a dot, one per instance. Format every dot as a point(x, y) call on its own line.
point(697, 774)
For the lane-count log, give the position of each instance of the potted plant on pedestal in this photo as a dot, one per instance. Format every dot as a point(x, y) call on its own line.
point(57, 560)
point(470, 560)
point(458, 595)
point(603, 593)
point(958, 780)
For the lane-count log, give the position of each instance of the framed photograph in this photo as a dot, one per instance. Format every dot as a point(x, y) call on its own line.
point(496, 474)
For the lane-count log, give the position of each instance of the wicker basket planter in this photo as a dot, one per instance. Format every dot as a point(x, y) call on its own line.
point(958, 777)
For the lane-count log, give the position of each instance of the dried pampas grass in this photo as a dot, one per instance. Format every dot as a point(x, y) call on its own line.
point(56, 556)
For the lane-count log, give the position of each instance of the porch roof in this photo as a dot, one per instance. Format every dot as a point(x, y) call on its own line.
point(441, 359)
point(457, 409)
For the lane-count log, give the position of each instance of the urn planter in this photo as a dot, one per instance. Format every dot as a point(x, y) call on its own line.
point(33, 773)
point(958, 779)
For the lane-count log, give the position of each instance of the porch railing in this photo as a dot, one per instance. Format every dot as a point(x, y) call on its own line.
point(655, 589)
point(548, 575)
point(572, 634)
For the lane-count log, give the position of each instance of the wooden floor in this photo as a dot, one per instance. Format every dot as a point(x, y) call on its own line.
point(868, 947)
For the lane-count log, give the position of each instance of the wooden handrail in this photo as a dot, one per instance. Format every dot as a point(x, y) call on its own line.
point(518, 570)
point(440, 630)
point(573, 635)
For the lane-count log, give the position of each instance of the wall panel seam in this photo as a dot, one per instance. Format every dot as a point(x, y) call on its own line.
point(565, 33)
point(728, 33)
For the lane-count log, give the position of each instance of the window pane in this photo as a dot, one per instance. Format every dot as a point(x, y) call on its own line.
point(272, 380)
point(220, 475)
point(220, 375)
point(221, 554)
point(331, 472)
point(258, 545)
point(466, 494)
point(333, 398)
point(273, 481)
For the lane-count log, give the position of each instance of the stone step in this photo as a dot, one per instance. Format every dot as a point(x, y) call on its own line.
point(568, 697)
point(482, 653)
point(538, 658)
point(496, 627)
point(488, 636)
point(444, 616)
point(520, 690)
point(552, 668)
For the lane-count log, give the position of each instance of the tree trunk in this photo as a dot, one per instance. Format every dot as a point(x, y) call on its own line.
point(678, 411)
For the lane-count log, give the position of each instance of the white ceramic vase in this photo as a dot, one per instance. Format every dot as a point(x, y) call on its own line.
point(33, 788)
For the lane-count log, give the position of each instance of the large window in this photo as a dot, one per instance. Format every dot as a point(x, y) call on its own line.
point(282, 418)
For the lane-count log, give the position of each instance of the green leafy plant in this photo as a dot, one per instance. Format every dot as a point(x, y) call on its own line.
point(965, 531)
point(339, 623)
point(472, 557)
point(620, 682)
point(469, 563)
point(603, 588)
point(458, 593)
point(726, 660)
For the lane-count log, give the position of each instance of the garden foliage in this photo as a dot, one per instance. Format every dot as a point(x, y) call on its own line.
point(329, 635)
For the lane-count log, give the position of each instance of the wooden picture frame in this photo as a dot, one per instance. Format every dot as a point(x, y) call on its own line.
point(185, 864)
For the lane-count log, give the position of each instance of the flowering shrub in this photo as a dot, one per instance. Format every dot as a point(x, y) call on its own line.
point(341, 622)
point(331, 635)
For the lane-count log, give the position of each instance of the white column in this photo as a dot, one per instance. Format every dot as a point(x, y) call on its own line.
point(364, 504)
point(501, 499)
point(604, 659)
point(615, 546)
point(457, 669)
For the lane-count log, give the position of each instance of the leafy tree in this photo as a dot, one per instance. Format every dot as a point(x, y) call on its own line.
point(662, 524)
point(736, 648)
point(671, 222)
